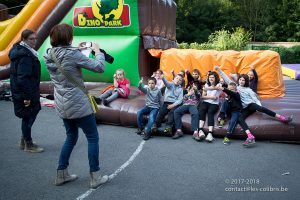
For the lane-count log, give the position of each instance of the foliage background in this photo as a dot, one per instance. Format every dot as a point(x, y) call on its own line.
point(268, 20)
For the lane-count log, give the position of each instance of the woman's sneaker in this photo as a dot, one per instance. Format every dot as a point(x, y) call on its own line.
point(209, 137)
point(226, 141)
point(249, 142)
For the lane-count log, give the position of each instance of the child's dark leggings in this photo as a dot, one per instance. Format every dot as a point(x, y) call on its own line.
point(253, 107)
point(209, 109)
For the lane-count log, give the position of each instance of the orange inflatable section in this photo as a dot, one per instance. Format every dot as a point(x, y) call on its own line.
point(266, 63)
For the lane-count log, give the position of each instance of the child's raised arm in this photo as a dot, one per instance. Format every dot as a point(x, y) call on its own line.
point(189, 76)
point(254, 72)
point(223, 75)
point(167, 83)
point(173, 73)
point(115, 81)
point(141, 88)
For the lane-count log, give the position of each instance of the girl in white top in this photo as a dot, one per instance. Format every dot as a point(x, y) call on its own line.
point(210, 105)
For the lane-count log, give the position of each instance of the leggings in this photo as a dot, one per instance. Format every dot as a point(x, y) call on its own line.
point(209, 109)
point(253, 107)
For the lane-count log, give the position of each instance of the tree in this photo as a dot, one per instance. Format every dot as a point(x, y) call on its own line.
point(197, 19)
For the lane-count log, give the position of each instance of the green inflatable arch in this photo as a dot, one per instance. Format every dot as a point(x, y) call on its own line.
point(123, 28)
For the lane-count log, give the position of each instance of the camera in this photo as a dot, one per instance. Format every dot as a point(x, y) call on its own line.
point(88, 44)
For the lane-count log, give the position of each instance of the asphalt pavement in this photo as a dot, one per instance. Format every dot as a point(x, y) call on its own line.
point(160, 168)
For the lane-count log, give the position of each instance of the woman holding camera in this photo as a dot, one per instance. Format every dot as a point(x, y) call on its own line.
point(65, 64)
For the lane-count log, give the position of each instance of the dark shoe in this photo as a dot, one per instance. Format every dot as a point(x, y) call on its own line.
point(32, 148)
point(98, 100)
point(154, 128)
point(177, 135)
point(22, 144)
point(105, 102)
point(146, 136)
point(139, 131)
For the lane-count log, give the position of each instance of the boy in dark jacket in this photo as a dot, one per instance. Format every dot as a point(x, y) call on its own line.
point(234, 112)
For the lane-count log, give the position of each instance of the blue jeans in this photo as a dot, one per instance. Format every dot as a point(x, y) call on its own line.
point(89, 127)
point(224, 110)
point(236, 118)
point(152, 116)
point(192, 109)
point(233, 121)
point(26, 127)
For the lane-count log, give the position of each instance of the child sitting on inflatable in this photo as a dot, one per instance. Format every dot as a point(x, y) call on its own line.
point(182, 73)
point(194, 77)
point(172, 99)
point(153, 102)
point(210, 105)
point(253, 81)
point(190, 103)
point(121, 89)
point(234, 113)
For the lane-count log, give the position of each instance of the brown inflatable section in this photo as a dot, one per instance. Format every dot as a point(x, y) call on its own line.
point(157, 21)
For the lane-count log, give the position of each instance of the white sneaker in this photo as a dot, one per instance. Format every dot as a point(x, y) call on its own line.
point(209, 137)
point(201, 135)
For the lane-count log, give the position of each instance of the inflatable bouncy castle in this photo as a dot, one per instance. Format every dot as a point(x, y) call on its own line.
point(141, 36)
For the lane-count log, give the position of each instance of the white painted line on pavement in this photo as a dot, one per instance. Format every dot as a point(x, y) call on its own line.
point(113, 175)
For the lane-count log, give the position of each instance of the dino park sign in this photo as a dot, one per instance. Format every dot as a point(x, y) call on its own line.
point(103, 13)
